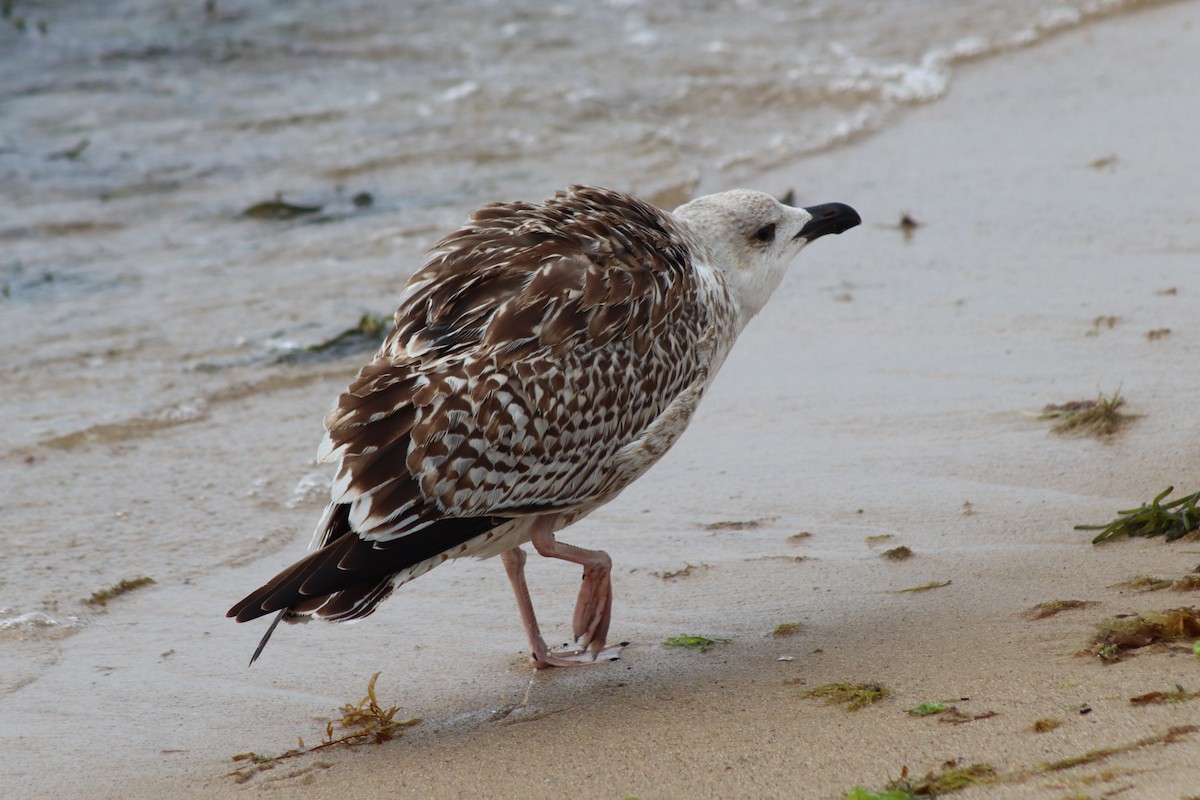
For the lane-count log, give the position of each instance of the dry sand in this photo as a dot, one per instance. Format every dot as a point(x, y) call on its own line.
point(883, 389)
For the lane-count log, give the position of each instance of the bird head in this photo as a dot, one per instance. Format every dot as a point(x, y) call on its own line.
point(752, 238)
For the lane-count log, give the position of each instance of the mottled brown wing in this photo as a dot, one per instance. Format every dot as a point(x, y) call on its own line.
point(535, 343)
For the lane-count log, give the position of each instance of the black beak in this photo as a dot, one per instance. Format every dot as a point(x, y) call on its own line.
point(828, 218)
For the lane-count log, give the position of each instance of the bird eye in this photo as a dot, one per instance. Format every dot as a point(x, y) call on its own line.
point(765, 234)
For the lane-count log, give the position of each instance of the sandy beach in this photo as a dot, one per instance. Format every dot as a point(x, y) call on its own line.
point(886, 397)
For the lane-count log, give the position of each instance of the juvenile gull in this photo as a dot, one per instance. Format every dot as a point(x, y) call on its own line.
point(544, 357)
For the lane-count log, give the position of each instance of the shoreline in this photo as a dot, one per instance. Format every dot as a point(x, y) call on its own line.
point(888, 375)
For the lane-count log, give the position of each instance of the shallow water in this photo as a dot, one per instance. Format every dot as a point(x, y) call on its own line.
point(141, 313)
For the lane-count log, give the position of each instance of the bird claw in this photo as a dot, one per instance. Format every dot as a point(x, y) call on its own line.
point(575, 658)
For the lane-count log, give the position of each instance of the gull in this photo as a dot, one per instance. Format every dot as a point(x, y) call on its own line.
point(543, 358)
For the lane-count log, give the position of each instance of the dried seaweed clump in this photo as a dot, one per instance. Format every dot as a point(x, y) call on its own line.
point(853, 695)
point(897, 553)
point(685, 572)
point(736, 524)
point(1188, 583)
point(908, 224)
point(952, 778)
point(366, 720)
point(1103, 321)
point(1149, 583)
point(1052, 607)
point(1172, 520)
point(950, 715)
point(1145, 583)
point(955, 717)
point(924, 587)
point(787, 629)
point(1176, 695)
point(102, 597)
point(1098, 417)
point(1116, 636)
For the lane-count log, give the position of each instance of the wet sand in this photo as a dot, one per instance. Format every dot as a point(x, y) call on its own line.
point(885, 387)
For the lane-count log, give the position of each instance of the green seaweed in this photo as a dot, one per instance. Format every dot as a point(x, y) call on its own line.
point(861, 793)
point(1172, 520)
point(926, 709)
point(365, 334)
point(370, 326)
point(277, 209)
point(701, 643)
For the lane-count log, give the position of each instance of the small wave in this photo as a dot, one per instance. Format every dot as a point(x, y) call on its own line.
point(851, 74)
point(177, 413)
point(312, 488)
point(34, 623)
point(864, 90)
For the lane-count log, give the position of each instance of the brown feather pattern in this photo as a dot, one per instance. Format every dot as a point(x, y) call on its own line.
point(536, 346)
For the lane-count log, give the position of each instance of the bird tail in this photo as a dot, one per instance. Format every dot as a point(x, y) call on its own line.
point(349, 577)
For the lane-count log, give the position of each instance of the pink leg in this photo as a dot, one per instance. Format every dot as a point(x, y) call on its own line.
point(593, 609)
